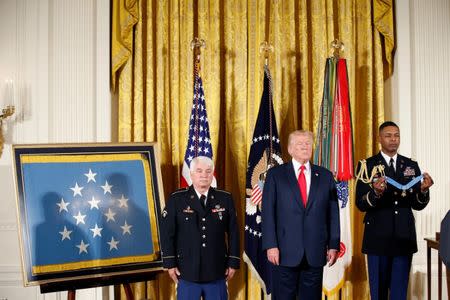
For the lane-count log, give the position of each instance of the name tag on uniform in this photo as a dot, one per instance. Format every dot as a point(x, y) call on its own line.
point(217, 210)
point(188, 210)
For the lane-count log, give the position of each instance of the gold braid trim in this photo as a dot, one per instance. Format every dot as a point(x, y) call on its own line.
point(363, 174)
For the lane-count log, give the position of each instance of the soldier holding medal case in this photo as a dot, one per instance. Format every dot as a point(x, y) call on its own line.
point(389, 186)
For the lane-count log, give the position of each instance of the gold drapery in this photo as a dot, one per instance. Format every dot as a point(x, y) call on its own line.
point(152, 68)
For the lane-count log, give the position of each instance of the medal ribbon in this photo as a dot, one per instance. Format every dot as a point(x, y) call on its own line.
point(406, 186)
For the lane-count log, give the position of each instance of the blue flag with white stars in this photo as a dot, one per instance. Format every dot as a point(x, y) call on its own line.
point(87, 213)
point(265, 152)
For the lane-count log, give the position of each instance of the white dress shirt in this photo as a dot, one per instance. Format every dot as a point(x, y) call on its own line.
point(387, 158)
point(199, 195)
point(307, 173)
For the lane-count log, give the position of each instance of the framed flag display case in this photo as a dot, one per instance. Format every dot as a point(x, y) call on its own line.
point(88, 211)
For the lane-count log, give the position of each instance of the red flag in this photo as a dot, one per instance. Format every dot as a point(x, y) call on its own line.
point(342, 127)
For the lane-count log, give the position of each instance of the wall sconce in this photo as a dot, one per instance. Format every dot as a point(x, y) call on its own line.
point(6, 112)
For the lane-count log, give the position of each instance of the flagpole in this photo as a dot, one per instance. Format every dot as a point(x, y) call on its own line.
point(196, 46)
point(265, 140)
point(337, 46)
point(267, 48)
point(335, 152)
point(199, 139)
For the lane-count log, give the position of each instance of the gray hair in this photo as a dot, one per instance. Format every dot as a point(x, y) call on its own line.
point(201, 159)
point(300, 132)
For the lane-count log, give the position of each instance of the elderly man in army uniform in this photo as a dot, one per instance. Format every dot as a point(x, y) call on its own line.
point(200, 238)
point(389, 231)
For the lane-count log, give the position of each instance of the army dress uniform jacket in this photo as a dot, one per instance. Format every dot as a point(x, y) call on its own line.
point(389, 225)
point(201, 242)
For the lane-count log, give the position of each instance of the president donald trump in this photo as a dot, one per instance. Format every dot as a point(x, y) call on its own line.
point(300, 222)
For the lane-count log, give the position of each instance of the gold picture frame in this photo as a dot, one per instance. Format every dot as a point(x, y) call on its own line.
point(88, 211)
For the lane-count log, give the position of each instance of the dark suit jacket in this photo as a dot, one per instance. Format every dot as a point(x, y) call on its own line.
point(202, 243)
point(389, 222)
point(444, 244)
point(293, 229)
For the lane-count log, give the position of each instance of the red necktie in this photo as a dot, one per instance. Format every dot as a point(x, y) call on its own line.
point(302, 184)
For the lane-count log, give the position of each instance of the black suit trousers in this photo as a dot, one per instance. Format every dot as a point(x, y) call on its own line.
point(302, 281)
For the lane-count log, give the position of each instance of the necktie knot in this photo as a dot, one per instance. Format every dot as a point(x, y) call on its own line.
point(302, 168)
point(391, 162)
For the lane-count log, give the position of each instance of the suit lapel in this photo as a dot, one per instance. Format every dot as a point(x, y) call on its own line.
point(293, 183)
point(313, 189)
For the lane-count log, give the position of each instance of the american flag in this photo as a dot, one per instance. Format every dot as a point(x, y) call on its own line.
point(265, 152)
point(199, 141)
